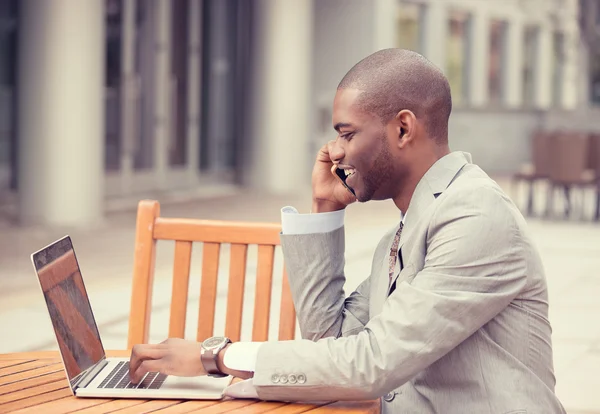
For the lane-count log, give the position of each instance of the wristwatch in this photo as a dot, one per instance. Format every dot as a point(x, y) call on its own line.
point(210, 349)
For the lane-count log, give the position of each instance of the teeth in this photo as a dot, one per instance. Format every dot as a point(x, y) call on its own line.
point(348, 172)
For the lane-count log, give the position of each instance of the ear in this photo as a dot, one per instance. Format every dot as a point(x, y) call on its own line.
point(405, 127)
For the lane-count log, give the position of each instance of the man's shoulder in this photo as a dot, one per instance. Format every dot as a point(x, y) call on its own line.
point(474, 192)
point(474, 182)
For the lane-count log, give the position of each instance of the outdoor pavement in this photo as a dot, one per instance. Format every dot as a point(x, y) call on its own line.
point(570, 250)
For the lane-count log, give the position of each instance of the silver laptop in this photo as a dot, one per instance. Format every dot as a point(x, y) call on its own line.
point(89, 372)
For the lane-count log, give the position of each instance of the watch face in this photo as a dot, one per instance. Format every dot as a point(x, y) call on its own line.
point(213, 342)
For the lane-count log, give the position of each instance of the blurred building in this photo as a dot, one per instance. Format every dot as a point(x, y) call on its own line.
point(105, 100)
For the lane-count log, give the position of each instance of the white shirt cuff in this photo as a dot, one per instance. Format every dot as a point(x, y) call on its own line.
point(242, 356)
point(294, 223)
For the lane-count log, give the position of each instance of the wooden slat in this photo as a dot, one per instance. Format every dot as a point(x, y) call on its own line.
point(149, 406)
point(20, 357)
point(295, 408)
point(262, 301)
point(111, 406)
point(33, 387)
point(261, 407)
point(63, 405)
point(181, 281)
point(9, 389)
point(35, 400)
point(347, 407)
point(187, 406)
point(32, 373)
point(13, 369)
point(235, 294)
point(287, 317)
point(30, 356)
point(214, 231)
point(225, 406)
point(11, 362)
point(208, 290)
point(143, 273)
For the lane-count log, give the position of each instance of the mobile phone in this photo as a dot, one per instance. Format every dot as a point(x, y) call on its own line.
point(340, 175)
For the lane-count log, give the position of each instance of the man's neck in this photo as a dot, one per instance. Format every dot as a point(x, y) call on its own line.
point(402, 200)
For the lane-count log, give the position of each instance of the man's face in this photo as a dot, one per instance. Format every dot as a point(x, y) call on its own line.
point(361, 148)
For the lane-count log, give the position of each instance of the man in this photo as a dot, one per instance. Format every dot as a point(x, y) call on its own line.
point(454, 315)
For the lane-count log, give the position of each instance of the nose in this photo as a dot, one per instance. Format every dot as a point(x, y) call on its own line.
point(336, 152)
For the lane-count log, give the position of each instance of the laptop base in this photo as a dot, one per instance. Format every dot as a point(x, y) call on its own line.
point(180, 388)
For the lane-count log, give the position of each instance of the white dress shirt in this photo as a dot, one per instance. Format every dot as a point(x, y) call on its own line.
point(242, 356)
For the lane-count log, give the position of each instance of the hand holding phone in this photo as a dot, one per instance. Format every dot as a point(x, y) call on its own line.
point(329, 190)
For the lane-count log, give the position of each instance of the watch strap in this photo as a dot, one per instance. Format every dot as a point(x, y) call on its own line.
point(209, 359)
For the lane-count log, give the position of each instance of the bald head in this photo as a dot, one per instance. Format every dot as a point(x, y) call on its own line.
point(395, 79)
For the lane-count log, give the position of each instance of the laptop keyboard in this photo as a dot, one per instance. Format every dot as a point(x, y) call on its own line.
point(119, 378)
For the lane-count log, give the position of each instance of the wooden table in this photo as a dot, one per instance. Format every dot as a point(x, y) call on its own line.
point(35, 382)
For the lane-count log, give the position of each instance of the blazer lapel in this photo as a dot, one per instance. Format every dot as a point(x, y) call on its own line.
point(434, 182)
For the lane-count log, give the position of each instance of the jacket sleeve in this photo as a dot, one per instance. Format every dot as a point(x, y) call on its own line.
point(315, 267)
point(475, 265)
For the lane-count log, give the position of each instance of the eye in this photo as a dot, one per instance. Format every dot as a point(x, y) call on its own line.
point(347, 136)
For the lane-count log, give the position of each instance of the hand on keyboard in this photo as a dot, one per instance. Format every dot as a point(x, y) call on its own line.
point(172, 357)
point(118, 378)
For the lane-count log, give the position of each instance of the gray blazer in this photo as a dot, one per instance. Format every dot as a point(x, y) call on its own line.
point(463, 329)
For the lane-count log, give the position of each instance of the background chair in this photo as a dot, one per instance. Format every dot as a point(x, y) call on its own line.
point(594, 165)
point(151, 227)
point(539, 168)
point(569, 166)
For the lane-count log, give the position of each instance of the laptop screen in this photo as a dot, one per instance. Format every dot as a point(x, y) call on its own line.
point(70, 311)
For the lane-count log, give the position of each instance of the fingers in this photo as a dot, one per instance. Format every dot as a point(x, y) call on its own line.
point(325, 151)
point(329, 149)
point(148, 365)
point(143, 352)
point(330, 145)
point(335, 152)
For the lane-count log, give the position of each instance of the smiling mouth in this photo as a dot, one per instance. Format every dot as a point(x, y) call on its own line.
point(344, 174)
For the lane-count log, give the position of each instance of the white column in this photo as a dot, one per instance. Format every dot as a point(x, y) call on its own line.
point(543, 69)
point(385, 17)
point(162, 102)
point(513, 81)
point(193, 97)
point(435, 32)
point(129, 95)
point(479, 58)
point(569, 84)
point(583, 75)
point(61, 112)
point(280, 159)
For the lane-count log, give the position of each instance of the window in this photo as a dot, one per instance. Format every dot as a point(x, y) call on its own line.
point(8, 76)
point(558, 58)
point(530, 45)
point(594, 61)
point(497, 57)
point(112, 19)
point(408, 26)
point(457, 58)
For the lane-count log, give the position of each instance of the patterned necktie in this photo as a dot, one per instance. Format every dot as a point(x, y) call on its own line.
point(394, 253)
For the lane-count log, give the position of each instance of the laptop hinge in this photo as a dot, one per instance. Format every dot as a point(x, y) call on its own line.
point(91, 374)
